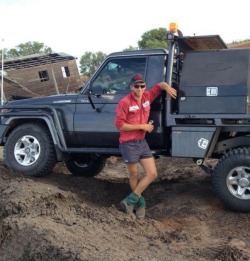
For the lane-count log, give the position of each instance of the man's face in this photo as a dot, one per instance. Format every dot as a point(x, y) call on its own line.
point(138, 88)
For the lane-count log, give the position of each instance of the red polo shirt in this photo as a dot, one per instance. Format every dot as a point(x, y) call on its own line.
point(131, 111)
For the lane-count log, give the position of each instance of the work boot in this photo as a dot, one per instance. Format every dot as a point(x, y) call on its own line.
point(129, 203)
point(141, 208)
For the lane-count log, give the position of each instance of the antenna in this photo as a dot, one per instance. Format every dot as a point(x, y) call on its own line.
point(2, 99)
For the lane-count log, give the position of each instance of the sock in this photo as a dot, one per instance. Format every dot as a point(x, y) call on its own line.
point(141, 202)
point(132, 198)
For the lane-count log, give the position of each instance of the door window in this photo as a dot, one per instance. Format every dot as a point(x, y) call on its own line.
point(114, 77)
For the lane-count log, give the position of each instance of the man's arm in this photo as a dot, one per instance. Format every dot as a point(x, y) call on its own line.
point(131, 127)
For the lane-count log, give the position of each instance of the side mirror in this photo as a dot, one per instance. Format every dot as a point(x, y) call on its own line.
point(97, 90)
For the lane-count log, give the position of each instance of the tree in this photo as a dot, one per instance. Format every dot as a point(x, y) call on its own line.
point(90, 61)
point(131, 48)
point(28, 48)
point(155, 38)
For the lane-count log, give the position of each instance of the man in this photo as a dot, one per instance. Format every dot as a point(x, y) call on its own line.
point(132, 115)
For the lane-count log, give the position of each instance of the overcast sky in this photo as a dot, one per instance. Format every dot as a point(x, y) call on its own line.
point(77, 26)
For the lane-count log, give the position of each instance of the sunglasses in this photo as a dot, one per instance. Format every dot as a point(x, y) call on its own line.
point(140, 86)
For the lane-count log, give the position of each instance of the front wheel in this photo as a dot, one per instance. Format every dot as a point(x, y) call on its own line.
point(231, 180)
point(86, 165)
point(29, 150)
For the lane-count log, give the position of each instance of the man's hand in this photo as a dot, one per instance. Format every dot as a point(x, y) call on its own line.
point(170, 91)
point(148, 127)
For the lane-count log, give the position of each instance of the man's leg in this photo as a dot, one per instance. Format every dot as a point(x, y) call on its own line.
point(137, 185)
point(130, 156)
point(149, 167)
point(133, 175)
point(131, 200)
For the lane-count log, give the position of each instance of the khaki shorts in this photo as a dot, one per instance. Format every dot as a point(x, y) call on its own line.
point(134, 150)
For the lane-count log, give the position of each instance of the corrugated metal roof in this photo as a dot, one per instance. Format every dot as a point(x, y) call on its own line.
point(35, 60)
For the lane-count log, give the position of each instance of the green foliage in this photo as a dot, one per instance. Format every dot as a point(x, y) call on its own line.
point(131, 48)
point(1, 52)
point(155, 38)
point(28, 48)
point(90, 61)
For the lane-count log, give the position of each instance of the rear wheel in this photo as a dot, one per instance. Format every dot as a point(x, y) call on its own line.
point(231, 180)
point(86, 165)
point(29, 150)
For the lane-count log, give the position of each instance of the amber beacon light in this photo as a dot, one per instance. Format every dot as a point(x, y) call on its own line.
point(173, 28)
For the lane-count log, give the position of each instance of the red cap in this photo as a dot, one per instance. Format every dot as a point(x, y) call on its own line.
point(137, 78)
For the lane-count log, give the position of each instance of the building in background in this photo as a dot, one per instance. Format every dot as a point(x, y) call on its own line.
point(40, 75)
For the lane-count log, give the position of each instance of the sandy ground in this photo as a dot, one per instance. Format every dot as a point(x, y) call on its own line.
point(63, 217)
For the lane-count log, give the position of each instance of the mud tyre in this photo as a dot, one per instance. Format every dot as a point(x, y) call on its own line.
point(30, 150)
point(231, 180)
point(86, 165)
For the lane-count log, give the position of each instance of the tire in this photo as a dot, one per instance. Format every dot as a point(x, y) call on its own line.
point(29, 150)
point(86, 165)
point(231, 180)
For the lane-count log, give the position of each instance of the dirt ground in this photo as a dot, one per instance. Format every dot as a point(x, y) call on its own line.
point(63, 217)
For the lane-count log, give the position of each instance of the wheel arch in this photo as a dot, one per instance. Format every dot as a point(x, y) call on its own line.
point(58, 140)
point(232, 143)
point(13, 122)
